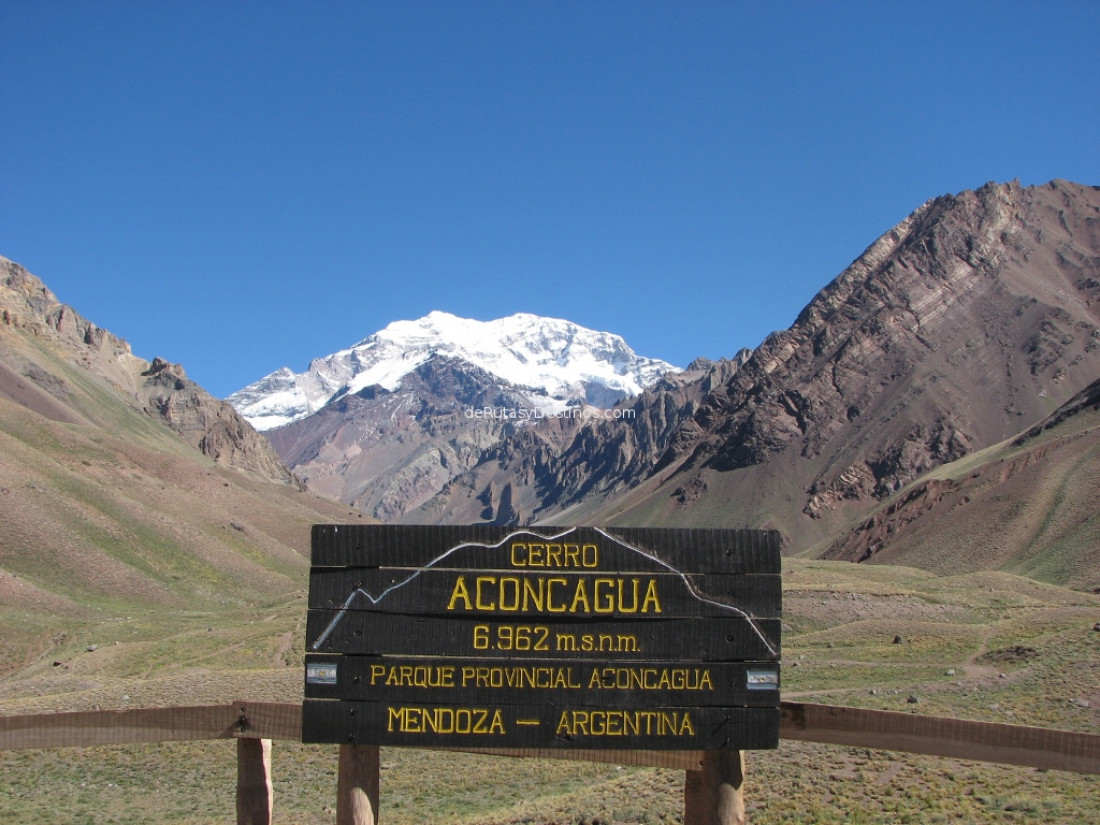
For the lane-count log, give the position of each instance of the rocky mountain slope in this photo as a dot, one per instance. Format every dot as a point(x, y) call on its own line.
point(968, 322)
point(1029, 505)
point(122, 483)
point(153, 549)
point(555, 466)
point(42, 332)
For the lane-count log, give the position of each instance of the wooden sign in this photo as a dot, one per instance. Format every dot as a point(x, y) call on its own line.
point(578, 637)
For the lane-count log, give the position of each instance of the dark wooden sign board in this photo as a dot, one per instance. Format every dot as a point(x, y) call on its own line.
point(583, 637)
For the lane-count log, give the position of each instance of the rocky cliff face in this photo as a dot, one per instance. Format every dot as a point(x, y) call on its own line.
point(968, 321)
point(29, 307)
point(43, 334)
point(386, 452)
point(1031, 504)
point(210, 425)
point(542, 470)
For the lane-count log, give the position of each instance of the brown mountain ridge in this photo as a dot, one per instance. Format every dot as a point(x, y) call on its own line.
point(124, 483)
point(967, 323)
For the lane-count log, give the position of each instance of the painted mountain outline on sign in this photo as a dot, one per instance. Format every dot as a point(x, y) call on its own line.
point(663, 566)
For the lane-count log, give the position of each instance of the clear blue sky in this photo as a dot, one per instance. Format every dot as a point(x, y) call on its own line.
point(238, 186)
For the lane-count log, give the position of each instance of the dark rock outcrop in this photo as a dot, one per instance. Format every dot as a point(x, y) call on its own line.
point(161, 389)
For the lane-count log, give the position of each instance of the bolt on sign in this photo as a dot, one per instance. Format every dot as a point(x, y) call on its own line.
point(580, 637)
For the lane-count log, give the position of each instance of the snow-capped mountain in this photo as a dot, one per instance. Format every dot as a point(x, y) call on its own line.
point(558, 362)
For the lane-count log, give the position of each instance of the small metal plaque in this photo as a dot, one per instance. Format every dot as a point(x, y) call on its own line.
point(762, 680)
point(321, 673)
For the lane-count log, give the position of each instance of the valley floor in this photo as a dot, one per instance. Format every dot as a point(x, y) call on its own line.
point(985, 646)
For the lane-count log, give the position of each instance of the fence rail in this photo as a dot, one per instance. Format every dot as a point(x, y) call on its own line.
point(254, 724)
point(827, 724)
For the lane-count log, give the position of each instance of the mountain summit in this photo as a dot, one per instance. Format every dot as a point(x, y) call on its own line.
point(386, 425)
point(557, 362)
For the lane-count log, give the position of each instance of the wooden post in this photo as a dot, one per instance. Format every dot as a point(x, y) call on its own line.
point(714, 794)
point(254, 793)
point(357, 785)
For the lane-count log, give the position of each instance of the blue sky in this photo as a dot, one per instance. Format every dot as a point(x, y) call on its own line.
point(242, 186)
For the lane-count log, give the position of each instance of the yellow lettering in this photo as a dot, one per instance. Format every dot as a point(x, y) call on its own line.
point(460, 592)
point(552, 554)
point(625, 723)
point(605, 602)
point(509, 602)
point(394, 715)
point(648, 678)
point(580, 597)
point(633, 607)
point(533, 592)
point(550, 604)
point(651, 599)
point(479, 603)
point(686, 727)
point(445, 720)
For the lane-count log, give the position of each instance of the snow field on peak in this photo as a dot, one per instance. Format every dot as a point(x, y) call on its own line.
point(559, 361)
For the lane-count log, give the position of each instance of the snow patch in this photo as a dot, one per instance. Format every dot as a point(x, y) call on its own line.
point(558, 360)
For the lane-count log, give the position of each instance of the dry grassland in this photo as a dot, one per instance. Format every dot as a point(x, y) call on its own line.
point(987, 646)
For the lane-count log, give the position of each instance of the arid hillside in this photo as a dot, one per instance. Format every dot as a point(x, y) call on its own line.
point(1030, 505)
point(964, 326)
point(127, 491)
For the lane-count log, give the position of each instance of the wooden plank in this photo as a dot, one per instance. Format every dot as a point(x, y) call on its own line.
point(548, 604)
point(490, 547)
point(715, 793)
point(254, 791)
point(704, 640)
point(854, 727)
point(544, 725)
point(118, 727)
point(402, 679)
point(269, 720)
point(357, 785)
point(259, 720)
point(937, 736)
point(512, 594)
